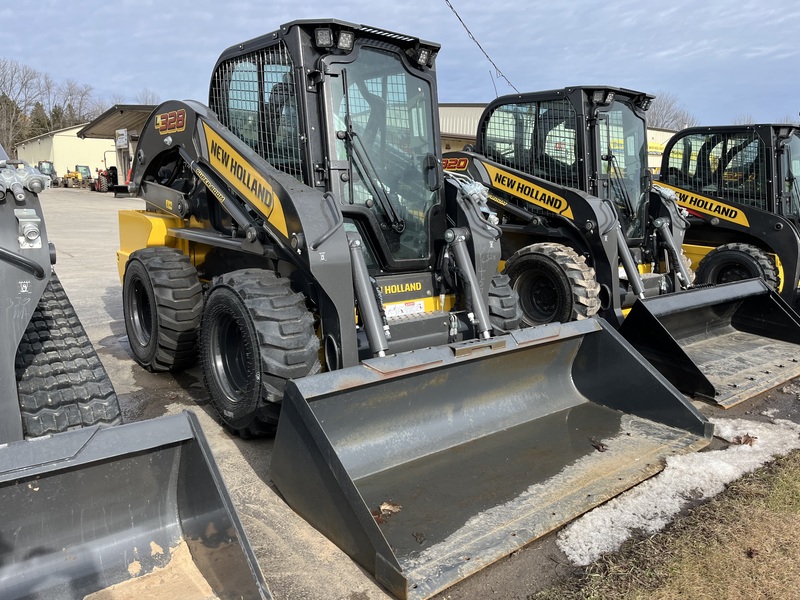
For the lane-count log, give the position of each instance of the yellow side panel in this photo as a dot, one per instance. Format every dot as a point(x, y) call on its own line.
point(140, 229)
point(696, 253)
point(781, 278)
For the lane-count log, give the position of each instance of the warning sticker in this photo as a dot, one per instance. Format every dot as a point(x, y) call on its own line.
point(404, 309)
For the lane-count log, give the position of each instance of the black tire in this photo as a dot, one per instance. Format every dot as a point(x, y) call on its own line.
point(256, 333)
point(61, 382)
point(735, 262)
point(162, 300)
point(554, 284)
point(505, 311)
point(102, 183)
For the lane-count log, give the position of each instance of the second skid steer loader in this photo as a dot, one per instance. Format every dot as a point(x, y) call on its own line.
point(301, 232)
point(585, 232)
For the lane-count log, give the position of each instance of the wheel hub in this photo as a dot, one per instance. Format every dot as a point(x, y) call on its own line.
point(538, 296)
point(229, 358)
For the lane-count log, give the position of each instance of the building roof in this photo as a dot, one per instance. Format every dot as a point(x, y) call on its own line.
point(49, 134)
point(120, 116)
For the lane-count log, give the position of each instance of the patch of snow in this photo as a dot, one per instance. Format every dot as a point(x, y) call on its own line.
point(791, 388)
point(651, 505)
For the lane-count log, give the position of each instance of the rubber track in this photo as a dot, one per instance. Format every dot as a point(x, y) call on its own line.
point(60, 380)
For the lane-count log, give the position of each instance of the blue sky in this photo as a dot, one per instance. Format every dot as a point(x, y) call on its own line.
point(720, 59)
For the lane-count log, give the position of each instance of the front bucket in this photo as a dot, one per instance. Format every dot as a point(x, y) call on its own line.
point(127, 512)
point(725, 343)
point(429, 465)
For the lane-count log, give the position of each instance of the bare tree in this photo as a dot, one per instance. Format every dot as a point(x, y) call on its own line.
point(116, 99)
point(77, 101)
point(28, 96)
point(18, 96)
point(743, 119)
point(147, 96)
point(667, 112)
point(789, 120)
point(48, 93)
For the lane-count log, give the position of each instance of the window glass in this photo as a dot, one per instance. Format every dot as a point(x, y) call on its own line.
point(390, 112)
point(623, 160)
point(791, 162)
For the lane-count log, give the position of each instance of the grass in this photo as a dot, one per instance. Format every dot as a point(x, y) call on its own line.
point(743, 544)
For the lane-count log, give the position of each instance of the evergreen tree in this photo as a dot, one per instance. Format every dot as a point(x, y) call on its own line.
point(39, 122)
point(57, 118)
point(13, 124)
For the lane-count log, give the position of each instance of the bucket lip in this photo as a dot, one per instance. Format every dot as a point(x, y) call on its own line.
point(698, 297)
point(374, 371)
point(68, 449)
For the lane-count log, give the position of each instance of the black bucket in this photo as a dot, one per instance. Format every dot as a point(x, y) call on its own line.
point(133, 511)
point(429, 465)
point(724, 344)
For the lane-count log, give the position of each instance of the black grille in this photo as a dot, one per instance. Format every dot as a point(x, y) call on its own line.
point(730, 166)
point(255, 97)
point(537, 138)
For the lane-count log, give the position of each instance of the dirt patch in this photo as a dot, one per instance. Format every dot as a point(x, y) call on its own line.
point(179, 579)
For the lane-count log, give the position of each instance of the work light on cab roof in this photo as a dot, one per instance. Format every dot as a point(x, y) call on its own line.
point(343, 40)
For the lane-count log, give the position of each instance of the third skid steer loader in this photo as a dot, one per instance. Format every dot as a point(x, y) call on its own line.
point(585, 232)
point(738, 184)
point(302, 228)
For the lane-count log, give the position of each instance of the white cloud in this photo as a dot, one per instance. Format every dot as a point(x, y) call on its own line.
point(685, 46)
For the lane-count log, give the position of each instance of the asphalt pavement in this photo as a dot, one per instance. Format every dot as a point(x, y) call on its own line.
point(297, 561)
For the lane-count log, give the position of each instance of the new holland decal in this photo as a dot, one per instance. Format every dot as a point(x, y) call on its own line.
point(529, 192)
point(246, 179)
point(401, 288)
point(702, 205)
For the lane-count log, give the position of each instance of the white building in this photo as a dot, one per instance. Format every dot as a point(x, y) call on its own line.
point(66, 150)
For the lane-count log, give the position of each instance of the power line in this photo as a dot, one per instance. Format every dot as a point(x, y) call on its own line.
point(498, 72)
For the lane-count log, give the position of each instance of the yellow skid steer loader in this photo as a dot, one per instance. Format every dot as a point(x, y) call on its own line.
point(300, 237)
point(585, 232)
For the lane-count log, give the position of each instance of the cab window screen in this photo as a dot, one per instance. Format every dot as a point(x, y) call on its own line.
point(535, 137)
point(730, 166)
point(255, 97)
